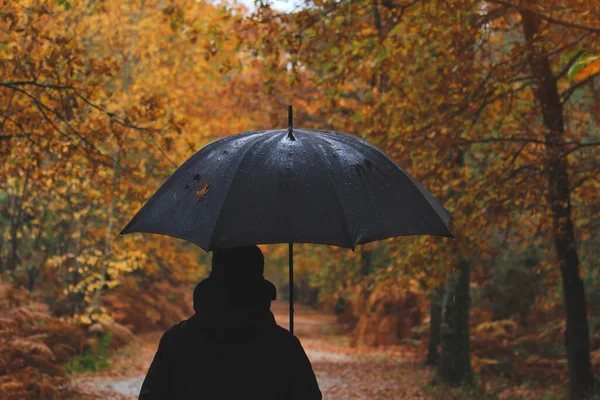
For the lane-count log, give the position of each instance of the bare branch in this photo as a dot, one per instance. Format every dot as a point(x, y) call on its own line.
point(34, 83)
point(578, 146)
point(390, 4)
point(503, 140)
point(568, 24)
point(568, 92)
point(569, 64)
point(44, 110)
point(112, 115)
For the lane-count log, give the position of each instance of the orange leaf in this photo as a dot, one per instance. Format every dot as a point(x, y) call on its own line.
point(590, 69)
point(203, 190)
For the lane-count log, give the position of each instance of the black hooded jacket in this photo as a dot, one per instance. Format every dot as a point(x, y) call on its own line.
point(230, 349)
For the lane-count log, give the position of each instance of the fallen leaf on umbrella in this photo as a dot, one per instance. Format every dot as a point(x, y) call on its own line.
point(202, 191)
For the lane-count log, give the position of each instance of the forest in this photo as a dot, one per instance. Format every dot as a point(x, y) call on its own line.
point(494, 106)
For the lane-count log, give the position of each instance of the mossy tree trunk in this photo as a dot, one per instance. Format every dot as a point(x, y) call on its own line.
point(435, 314)
point(454, 366)
point(546, 91)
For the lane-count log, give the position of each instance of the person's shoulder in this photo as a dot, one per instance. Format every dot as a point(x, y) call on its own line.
point(284, 335)
point(177, 331)
point(281, 331)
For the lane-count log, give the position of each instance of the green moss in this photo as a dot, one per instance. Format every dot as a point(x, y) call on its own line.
point(91, 360)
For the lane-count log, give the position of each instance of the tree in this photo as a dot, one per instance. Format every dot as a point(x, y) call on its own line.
point(454, 366)
point(427, 80)
point(95, 99)
point(559, 199)
point(435, 314)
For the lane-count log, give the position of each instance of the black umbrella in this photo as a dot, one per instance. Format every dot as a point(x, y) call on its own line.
point(290, 186)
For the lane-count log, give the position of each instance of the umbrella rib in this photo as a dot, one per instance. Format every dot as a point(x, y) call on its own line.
point(425, 194)
point(350, 144)
point(235, 173)
point(422, 189)
point(336, 194)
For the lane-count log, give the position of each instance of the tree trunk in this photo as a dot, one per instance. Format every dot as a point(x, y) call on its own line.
point(13, 259)
point(365, 261)
point(435, 324)
point(559, 198)
point(454, 366)
point(109, 228)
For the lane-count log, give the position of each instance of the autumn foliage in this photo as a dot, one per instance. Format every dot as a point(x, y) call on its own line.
point(33, 346)
point(493, 105)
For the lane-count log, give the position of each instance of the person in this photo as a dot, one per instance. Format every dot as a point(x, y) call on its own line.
point(231, 348)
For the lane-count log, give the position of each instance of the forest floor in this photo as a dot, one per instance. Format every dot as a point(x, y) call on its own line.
point(343, 372)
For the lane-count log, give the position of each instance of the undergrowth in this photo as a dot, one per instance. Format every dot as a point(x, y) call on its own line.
point(92, 360)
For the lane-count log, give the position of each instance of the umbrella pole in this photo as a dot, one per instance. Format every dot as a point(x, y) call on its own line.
point(291, 253)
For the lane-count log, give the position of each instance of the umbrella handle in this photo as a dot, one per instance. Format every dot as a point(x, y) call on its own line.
point(291, 245)
point(291, 254)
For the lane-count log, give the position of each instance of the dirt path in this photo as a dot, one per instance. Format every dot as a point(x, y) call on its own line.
point(342, 372)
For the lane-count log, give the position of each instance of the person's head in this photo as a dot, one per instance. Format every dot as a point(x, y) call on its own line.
point(246, 262)
point(243, 267)
point(237, 273)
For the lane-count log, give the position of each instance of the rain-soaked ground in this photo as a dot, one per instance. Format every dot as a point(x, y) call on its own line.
point(342, 372)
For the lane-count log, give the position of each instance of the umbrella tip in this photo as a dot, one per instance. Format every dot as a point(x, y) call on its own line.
point(291, 123)
point(125, 230)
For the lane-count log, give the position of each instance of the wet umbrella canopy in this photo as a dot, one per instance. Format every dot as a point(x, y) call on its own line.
point(290, 186)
